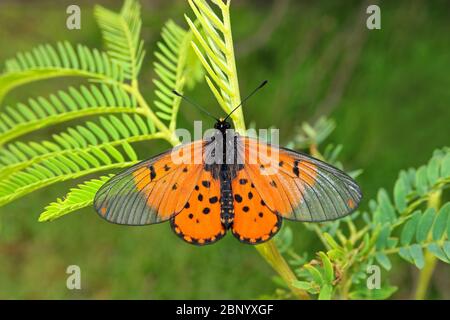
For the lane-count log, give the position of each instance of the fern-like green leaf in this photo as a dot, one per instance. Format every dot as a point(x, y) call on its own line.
point(121, 35)
point(77, 198)
point(216, 53)
point(174, 69)
point(420, 229)
point(66, 105)
point(106, 142)
point(81, 141)
point(61, 168)
point(77, 152)
point(62, 60)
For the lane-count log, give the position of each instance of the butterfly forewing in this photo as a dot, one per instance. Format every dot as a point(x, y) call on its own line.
point(297, 186)
point(154, 190)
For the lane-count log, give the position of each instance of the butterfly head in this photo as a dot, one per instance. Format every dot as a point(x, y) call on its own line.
point(222, 125)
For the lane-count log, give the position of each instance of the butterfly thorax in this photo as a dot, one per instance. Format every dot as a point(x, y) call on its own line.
point(223, 154)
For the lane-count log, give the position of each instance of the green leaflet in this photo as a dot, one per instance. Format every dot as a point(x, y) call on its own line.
point(386, 211)
point(174, 69)
point(62, 60)
point(378, 294)
point(383, 260)
point(400, 194)
point(416, 254)
point(61, 168)
point(121, 35)
point(422, 180)
point(326, 292)
point(77, 198)
point(441, 222)
point(67, 105)
point(436, 250)
point(410, 228)
point(75, 152)
point(214, 49)
point(424, 225)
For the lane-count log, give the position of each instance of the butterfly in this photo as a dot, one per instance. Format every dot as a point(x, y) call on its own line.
point(227, 182)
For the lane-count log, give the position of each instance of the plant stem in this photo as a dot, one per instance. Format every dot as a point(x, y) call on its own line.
point(426, 273)
point(270, 253)
point(425, 276)
point(168, 134)
point(237, 116)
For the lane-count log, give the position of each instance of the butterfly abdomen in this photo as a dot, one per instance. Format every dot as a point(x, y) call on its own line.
point(226, 197)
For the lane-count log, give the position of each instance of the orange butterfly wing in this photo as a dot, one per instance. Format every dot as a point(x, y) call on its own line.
point(154, 190)
point(296, 186)
point(270, 184)
point(253, 221)
point(199, 221)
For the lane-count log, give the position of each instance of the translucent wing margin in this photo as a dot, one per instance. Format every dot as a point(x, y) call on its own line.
point(154, 190)
point(297, 186)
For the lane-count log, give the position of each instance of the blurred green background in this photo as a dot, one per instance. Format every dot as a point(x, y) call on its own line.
point(387, 89)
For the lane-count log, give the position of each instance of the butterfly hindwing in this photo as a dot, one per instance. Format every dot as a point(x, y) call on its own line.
point(297, 186)
point(253, 221)
point(152, 191)
point(199, 221)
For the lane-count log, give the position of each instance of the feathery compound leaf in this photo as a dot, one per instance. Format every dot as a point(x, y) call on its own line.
point(216, 53)
point(420, 230)
point(121, 35)
point(77, 152)
point(79, 141)
point(65, 105)
point(77, 198)
point(94, 146)
point(308, 135)
point(60, 168)
point(174, 67)
point(63, 60)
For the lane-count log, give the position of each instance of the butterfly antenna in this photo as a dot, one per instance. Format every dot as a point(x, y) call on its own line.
point(194, 104)
point(246, 98)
